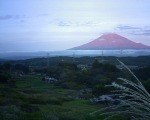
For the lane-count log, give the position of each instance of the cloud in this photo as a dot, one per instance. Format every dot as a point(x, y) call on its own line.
point(22, 21)
point(127, 27)
point(67, 23)
point(64, 23)
point(135, 30)
point(19, 16)
point(6, 17)
point(145, 33)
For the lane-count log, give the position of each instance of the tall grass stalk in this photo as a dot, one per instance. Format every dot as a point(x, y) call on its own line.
point(134, 99)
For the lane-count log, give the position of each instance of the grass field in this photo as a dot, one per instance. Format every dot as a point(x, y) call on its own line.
point(33, 99)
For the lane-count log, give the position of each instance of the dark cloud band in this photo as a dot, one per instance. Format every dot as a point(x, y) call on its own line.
point(6, 17)
point(135, 30)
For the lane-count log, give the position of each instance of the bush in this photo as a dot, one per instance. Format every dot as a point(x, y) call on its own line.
point(4, 77)
point(134, 99)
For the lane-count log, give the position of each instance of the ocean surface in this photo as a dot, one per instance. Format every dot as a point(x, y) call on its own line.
point(73, 53)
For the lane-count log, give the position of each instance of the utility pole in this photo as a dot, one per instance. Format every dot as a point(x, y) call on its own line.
point(102, 56)
point(121, 52)
point(73, 57)
point(47, 60)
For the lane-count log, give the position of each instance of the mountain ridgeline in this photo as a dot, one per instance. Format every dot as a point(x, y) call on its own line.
point(111, 41)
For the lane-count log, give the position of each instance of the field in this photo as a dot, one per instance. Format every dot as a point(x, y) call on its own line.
point(33, 99)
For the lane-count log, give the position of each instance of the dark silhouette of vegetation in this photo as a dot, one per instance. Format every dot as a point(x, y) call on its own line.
point(32, 97)
point(21, 67)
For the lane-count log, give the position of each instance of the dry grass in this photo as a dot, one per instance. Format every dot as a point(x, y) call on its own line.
point(134, 99)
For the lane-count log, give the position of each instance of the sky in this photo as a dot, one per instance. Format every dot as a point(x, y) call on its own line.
point(47, 25)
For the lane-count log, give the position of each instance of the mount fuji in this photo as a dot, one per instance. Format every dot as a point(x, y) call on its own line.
point(111, 41)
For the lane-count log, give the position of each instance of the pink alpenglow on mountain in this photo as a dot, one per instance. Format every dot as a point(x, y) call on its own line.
point(111, 41)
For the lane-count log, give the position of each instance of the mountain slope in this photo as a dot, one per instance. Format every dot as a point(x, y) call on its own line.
point(111, 41)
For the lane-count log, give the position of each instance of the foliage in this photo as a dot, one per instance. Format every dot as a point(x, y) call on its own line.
point(21, 67)
point(33, 98)
point(134, 99)
point(4, 77)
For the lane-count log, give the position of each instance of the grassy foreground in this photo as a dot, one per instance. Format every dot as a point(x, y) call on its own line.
point(33, 99)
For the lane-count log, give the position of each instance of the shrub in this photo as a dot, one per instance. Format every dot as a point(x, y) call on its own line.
point(134, 99)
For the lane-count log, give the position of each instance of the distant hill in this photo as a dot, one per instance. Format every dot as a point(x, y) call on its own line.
point(111, 41)
point(53, 61)
point(2, 60)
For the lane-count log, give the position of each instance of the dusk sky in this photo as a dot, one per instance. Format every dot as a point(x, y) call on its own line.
point(43, 25)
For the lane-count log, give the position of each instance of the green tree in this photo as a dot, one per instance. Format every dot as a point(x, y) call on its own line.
point(4, 77)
